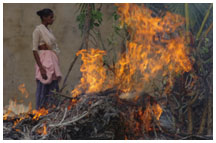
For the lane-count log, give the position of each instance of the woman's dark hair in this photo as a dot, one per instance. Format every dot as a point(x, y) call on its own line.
point(44, 12)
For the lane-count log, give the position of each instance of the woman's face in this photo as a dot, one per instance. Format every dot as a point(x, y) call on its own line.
point(49, 19)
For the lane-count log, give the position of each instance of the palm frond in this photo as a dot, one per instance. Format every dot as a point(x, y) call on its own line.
point(196, 13)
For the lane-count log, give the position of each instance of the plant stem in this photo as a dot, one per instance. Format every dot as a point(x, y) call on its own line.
point(210, 107)
point(204, 21)
point(190, 121)
point(203, 120)
point(187, 22)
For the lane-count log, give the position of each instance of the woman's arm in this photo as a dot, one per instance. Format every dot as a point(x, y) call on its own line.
point(36, 47)
point(42, 70)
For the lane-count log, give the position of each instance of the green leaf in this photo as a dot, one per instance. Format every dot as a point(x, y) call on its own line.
point(116, 16)
point(96, 24)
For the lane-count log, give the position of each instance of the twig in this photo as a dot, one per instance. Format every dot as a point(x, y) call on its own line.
point(155, 131)
point(209, 122)
point(100, 38)
point(69, 70)
point(155, 121)
point(111, 69)
point(72, 121)
point(198, 137)
point(190, 122)
point(97, 103)
point(87, 26)
point(178, 104)
point(84, 43)
point(193, 100)
point(34, 128)
point(188, 81)
point(96, 43)
point(64, 115)
point(60, 94)
point(203, 120)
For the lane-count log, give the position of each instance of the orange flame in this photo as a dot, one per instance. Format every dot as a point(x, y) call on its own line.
point(39, 113)
point(5, 116)
point(18, 120)
point(147, 116)
point(93, 73)
point(17, 107)
point(155, 46)
point(157, 110)
point(23, 90)
point(44, 130)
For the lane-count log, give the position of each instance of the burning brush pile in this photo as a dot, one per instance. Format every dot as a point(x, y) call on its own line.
point(136, 98)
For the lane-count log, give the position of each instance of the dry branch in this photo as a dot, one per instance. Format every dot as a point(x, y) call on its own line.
point(190, 120)
point(203, 120)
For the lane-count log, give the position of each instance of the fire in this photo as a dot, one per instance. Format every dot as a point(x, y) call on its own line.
point(155, 47)
point(39, 113)
point(5, 116)
point(152, 112)
point(157, 110)
point(18, 120)
point(17, 107)
point(23, 90)
point(44, 130)
point(93, 72)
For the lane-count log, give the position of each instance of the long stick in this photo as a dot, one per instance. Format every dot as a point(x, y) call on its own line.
point(203, 120)
point(71, 66)
point(84, 43)
point(204, 36)
point(190, 121)
point(210, 108)
point(209, 121)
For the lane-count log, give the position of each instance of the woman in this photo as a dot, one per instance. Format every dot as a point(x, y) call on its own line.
point(45, 52)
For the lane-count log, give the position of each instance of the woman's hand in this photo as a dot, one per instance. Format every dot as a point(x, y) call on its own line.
point(42, 69)
point(43, 73)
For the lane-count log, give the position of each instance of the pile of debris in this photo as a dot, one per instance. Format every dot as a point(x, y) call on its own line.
point(93, 116)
